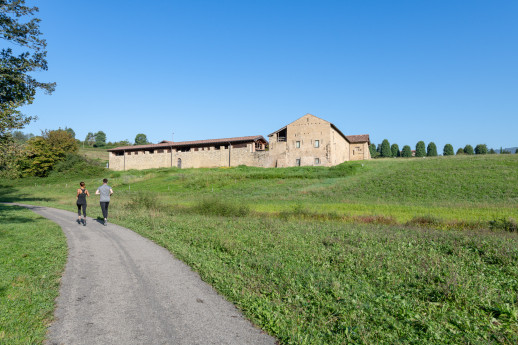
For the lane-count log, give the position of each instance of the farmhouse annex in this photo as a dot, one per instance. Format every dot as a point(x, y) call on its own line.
point(308, 140)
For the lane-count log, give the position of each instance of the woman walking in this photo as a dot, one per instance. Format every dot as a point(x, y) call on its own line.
point(82, 193)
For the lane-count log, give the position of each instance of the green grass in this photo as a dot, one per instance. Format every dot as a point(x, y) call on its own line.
point(385, 251)
point(325, 282)
point(33, 256)
point(96, 154)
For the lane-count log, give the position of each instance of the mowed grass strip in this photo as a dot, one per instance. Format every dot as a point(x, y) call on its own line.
point(33, 254)
point(313, 282)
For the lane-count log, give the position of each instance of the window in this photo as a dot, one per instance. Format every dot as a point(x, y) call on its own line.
point(297, 144)
point(317, 161)
point(297, 162)
point(317, 143)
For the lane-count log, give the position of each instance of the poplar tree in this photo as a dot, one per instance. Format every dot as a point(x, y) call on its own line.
point(395, 150)
point(385, 149)
point(431, 150)
point(420, 149)
point(448, 150)
point(406, 152)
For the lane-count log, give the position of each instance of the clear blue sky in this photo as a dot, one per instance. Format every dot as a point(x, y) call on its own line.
point(442, 71)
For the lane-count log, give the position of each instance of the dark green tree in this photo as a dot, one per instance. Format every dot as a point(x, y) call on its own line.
point(460, 151)
point(71, 132)
point(468, 149)
point(385, 149)
point(21, 29)
point(90, 139)
point(481, 149)
point(447, 150)
point(141, 139)
point(431, 150)
point(100, 139)
point(492, 152)
point(372, 150)
point(406, 152)
point(395, 150)
point(420, 149)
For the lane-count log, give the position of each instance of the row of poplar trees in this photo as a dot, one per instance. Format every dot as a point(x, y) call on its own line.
point(421, 150)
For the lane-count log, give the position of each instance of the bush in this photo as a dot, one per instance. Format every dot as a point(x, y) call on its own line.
point(407, 151)
point(431, 150)
point(460, 151)
point(420, 149)
point(481, 149)
point(448, 150)
point(217, 207)
point(468, 149)
point(506, 224)
point(74, 164)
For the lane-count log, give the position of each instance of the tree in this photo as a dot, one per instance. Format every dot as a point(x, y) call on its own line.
point(90, 139)
point(395, 150)
point(141, 139)
point(431, 150)
point(100, 139)
point(468, 149)
point(447, 150)
point(44, 151)
point(481, 149)
point(20, 137)
point(70, 131)
point(372, 150)
point(20, 27)
point(385, 149)
point(460, 151)
point(492, 152)
point(420, 149)
point(406, 152)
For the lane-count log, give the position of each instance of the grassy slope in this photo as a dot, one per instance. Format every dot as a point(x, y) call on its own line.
point(328, 282)
point(93, 153)
point(33, 256)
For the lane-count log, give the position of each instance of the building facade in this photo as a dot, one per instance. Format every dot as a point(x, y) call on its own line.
point(307, 141)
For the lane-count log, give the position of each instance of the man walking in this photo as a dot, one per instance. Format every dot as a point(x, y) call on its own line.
point(105, 192)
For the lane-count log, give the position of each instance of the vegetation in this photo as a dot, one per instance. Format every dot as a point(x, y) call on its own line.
point(447, 150)
point(420, 150)
point(33, 256)
point(385, 149)
point(379, 251)
point(468, 149)
point(100, 139)
point(481, 149)
point(141, 139)
point(395, 150)
point(406, 152)
point(431, 150)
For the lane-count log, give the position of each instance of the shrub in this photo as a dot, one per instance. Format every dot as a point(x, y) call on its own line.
point(460, 151)
point(406, 152)
point(218, 207)
point(468, 149)
point(385, 149)
point(74, 164)
point(431, 150)
point(448, 150)
point(481, 149)
point(425, 221)
point(506, 224)
point(143, 200)
point(420, 149)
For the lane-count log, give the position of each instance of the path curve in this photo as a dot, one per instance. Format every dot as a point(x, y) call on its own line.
point(120, 288)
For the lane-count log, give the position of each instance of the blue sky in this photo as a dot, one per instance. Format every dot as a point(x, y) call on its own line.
point(442, 71)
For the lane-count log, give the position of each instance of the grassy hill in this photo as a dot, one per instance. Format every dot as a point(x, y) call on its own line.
point(376, 252)
point(94, 153)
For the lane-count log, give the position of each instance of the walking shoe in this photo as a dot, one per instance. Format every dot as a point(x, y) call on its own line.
point(84, 222)
point(79, 221)
point(105, 222)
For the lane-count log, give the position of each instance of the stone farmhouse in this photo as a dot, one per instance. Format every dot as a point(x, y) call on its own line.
point(308, 141)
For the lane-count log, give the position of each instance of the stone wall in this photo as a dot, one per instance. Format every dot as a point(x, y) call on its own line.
point(359, 151)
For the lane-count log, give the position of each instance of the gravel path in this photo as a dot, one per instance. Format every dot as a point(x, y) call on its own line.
point(120, 288)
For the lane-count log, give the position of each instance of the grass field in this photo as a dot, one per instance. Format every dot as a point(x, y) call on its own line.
point(33, 256)
point(383, 251)
point(93, 153)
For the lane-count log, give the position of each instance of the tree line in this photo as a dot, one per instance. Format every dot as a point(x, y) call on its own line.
point(385, 150)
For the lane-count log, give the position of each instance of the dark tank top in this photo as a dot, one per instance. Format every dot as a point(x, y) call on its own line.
point(81, 198)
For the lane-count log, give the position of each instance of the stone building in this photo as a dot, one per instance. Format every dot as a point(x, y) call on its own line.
point(308, 140)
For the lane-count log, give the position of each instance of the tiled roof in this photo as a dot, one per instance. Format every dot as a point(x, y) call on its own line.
point(165, 143)
point(357, 138)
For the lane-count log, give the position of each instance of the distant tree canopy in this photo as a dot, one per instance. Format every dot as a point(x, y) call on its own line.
point(372, 150)
point(395, 150)
point(100, 139)
point(71, 132)
point(20, 137)
point(385, 149)
point(90, 139)
point(431, 150)
point(481, 149)
point(492, 152)
point(447, 150)
point(406, 152)
point(141, 139)
point(43, 152)
point(468, 149)
point(20, 27)
point(460, 151)
point(420, 149)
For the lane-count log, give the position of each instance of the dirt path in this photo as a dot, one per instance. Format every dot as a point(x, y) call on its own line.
point(120, 288)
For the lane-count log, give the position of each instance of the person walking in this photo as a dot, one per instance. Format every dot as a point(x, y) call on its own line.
point(105, 192)
point(81, 195)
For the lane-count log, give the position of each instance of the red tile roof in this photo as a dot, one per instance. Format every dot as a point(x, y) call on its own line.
point(165, 143)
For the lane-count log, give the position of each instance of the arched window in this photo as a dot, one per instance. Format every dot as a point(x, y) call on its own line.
point(179, 164)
